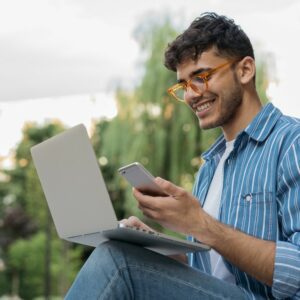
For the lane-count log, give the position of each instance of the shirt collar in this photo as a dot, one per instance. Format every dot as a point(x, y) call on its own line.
point(259, 129)
point(262, 125)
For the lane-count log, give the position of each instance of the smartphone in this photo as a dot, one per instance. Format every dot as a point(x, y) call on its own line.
point(141, 179)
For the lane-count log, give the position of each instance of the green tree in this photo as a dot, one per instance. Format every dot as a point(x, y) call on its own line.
point(28, 201)
point(25, 258)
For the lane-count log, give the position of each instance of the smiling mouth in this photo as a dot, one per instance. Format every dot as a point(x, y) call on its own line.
point(204, 106)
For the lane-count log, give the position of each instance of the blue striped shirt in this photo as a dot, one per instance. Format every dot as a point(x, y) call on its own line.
point(261, 197)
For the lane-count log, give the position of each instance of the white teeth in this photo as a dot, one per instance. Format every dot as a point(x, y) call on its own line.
point(203, 106)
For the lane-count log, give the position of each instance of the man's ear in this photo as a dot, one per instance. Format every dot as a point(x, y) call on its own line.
point(246, 69)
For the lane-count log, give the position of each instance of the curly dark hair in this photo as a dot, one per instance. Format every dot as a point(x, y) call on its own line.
point(207, 31)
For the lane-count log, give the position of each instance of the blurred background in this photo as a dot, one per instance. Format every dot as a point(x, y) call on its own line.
point(64, 62)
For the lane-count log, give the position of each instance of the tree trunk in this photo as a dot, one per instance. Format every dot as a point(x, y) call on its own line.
point(47, 282)
point(15, 283)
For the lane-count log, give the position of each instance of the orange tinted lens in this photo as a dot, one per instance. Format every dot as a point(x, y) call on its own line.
point(179, 93)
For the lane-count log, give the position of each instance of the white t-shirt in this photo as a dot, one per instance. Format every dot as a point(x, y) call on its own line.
point(212, 206)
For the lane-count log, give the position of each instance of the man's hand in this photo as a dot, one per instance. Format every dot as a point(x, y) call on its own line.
point(180, 211)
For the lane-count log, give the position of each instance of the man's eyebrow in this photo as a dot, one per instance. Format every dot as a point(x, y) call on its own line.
point(198, 71)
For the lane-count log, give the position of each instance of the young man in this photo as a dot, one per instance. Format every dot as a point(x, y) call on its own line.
point(246, 198)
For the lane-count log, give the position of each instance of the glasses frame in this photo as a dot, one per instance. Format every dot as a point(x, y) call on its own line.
point(205, 76)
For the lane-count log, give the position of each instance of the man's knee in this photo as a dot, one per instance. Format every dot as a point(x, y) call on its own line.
point(116, 253)
point(111, 248)
point(107, 250)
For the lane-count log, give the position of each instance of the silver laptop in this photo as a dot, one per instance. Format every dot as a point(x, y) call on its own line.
point(79, 201)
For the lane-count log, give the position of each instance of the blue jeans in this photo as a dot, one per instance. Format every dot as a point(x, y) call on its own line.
point(117, 270)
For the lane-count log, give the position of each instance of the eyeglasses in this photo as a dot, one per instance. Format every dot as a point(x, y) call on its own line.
point(198, 83)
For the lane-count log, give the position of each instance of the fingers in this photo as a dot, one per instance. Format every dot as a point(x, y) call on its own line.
point(156, 207)
point(145, 200)
point(152, 214)
point(132, 221)
point(170, 188)
point(135, 222)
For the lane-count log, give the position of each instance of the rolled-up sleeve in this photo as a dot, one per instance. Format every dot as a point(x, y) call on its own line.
point(286, 278)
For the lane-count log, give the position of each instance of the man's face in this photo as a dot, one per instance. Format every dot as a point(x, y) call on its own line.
point(219, 104)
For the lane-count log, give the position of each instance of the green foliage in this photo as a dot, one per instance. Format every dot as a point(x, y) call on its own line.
point(26, 261)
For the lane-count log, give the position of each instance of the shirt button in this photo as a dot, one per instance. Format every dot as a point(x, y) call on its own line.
point(248, 197)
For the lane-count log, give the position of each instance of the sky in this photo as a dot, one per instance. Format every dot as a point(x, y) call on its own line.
point(63, 58)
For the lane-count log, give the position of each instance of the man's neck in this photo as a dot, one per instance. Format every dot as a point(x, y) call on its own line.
point(248, 110)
